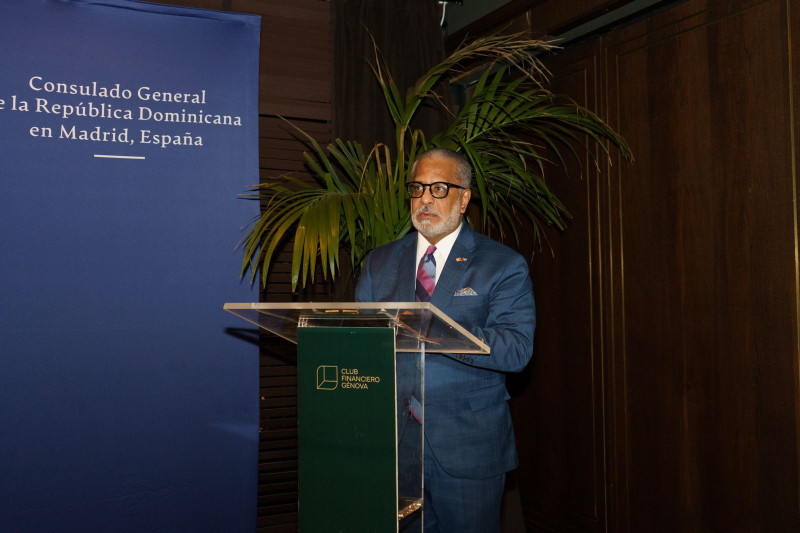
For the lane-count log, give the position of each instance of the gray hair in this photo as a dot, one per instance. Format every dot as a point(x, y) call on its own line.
point(463, 169)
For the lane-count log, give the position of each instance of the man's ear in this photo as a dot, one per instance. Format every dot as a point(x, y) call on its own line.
point(465, 196)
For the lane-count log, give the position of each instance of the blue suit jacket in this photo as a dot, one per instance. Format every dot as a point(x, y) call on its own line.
point(467, 421)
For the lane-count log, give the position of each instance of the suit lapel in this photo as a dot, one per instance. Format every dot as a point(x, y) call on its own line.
point(453, 272)
point(406, 263)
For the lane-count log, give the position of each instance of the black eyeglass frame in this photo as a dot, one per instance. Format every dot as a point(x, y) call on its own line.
point(444, 184)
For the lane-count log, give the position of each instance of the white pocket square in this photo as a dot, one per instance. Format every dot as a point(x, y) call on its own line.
point(466, 291)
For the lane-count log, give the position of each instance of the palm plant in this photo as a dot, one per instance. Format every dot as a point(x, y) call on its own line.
point(506, 128)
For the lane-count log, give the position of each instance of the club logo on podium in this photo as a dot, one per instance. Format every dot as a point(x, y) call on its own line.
point(327, 377)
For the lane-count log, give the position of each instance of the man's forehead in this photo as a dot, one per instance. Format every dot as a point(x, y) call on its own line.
point(435, 168)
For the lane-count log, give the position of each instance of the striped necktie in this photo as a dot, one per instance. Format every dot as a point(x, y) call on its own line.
point(426, 275)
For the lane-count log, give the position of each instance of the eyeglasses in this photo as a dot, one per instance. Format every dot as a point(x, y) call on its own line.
point(438, 189)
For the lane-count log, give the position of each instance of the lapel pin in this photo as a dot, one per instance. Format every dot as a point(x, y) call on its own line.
point(459, 259)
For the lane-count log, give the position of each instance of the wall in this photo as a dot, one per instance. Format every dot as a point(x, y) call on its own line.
point(667, 341)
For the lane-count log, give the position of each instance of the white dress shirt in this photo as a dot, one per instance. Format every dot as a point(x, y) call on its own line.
point(443, 248)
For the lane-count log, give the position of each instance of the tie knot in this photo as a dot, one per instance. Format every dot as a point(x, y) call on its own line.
point(430, 250)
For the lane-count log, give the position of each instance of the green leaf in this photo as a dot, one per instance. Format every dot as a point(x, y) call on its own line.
point(510, 128)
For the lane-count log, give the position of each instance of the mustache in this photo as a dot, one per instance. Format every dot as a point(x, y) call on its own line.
point(427, 209)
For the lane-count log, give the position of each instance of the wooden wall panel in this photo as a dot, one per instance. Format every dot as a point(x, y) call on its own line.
point(561, 473)
point(295, 79)
point(663, 395)
point(554, 17)
point(538, 18)
point(704, 270)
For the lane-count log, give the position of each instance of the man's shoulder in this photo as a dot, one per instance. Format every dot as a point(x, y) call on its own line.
point(489, 245)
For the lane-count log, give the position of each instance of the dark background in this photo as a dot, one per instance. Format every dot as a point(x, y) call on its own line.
point(663, 394)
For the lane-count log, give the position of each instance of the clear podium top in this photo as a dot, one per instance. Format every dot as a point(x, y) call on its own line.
point(414, 323)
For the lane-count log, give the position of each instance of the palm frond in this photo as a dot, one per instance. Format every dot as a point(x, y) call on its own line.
point(509, 129)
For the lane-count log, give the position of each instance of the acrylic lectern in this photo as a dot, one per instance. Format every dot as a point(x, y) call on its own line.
point(361, 406)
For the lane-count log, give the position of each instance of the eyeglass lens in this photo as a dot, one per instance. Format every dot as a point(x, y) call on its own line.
point(438, 189)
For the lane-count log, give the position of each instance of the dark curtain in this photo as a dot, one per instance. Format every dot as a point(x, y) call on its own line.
point(408, 35)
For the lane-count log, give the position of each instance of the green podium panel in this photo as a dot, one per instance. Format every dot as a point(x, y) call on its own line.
point(347, 441)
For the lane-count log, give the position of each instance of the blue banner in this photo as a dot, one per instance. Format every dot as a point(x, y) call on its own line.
point(128, 398)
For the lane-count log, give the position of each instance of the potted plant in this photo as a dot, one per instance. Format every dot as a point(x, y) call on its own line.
point(358, 201)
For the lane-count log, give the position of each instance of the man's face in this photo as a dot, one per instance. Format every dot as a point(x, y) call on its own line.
point(433, 217)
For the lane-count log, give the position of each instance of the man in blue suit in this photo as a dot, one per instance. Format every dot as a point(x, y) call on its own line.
point(485, 287)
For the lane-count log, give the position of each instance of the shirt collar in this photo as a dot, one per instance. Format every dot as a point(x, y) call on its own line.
point(443, 247)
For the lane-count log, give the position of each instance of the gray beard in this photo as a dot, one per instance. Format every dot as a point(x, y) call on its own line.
point(445, 226)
